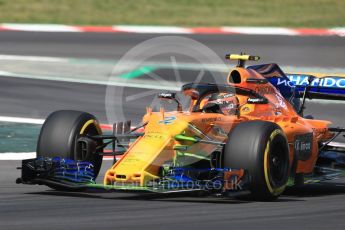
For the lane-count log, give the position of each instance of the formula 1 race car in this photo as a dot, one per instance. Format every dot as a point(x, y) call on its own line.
point(247, 137)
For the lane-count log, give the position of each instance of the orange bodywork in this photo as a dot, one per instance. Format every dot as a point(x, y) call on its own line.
point(143, 160)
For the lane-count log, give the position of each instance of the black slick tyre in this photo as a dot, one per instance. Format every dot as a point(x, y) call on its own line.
point(261, 148)
point(59, 133)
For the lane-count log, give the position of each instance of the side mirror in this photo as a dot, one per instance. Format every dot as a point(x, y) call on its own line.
point(170, 96)
point(167, 96)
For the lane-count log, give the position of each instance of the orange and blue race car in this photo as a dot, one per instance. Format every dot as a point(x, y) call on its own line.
point(248, 137)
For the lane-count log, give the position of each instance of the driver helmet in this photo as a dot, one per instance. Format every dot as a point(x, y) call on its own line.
point(226, 103)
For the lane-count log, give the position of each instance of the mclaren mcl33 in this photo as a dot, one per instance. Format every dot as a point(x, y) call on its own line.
point(247, 137)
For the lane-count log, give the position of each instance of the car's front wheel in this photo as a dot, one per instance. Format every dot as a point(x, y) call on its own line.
point(262, 149)
point(59, 134)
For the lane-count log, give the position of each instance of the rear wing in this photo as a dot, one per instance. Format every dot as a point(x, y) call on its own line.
point(297, 85)
point(326, 87)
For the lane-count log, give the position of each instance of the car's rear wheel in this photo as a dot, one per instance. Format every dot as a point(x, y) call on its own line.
point(262, 149)
point(59, 134)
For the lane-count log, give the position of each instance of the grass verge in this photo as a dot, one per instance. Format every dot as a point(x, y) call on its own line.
point(290, 13)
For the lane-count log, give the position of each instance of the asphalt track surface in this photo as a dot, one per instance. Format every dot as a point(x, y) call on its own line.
point(37, 207)
point(285, 50)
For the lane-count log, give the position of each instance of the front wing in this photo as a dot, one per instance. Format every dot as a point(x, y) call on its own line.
point(66, 174)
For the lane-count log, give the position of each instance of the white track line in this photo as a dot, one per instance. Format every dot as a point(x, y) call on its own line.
point(152, 29)
point(261, 30)
point(17, 156)
point(33, 58)
point(144, 85)
point(22, 120)
point(29, 155)
point(40, 27)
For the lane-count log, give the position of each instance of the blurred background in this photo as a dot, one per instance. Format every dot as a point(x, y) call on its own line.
point(291, 13)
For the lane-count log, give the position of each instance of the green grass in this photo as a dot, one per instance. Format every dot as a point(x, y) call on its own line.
point(291, 13)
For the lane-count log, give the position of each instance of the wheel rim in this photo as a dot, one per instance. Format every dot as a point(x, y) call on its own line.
point(89, 128)
point(278, 161)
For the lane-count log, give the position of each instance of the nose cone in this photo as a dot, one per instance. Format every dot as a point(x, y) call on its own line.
point(142, 161)
point(172, 123)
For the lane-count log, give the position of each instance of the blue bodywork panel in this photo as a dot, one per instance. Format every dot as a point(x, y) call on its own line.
point(66, 169)
point(294, 84)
